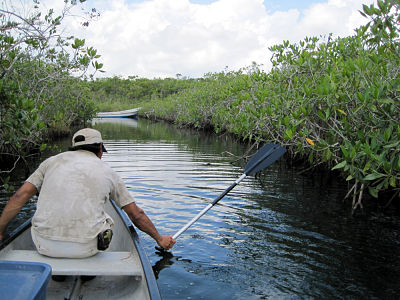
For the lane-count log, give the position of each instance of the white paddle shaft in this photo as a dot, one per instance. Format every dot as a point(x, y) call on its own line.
point(183, 229)
point(207, 208)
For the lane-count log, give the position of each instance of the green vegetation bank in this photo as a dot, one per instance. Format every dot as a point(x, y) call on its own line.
point(43, 78)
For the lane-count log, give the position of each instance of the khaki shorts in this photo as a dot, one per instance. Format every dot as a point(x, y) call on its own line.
point(54, 248)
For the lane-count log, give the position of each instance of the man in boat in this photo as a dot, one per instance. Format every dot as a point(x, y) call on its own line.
point(73, 186)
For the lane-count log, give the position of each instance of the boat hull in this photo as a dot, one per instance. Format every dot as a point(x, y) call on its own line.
point(130, 113)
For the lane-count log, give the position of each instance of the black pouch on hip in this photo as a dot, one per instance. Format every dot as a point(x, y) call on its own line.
point(104, 239)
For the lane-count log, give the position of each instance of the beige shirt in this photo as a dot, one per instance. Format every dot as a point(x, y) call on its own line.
point(73, 189)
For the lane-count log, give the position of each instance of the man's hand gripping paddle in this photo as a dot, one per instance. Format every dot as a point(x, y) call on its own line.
point(265, 157)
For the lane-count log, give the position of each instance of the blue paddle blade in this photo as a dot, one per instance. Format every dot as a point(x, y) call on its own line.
point(265, 157)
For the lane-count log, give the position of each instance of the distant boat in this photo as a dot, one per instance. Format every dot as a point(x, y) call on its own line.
point(129, 113)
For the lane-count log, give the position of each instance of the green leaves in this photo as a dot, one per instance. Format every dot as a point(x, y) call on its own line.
point(373, 191)
point(78, 44)
point(97, 65)
point(340, 165)
point(7, 186)
point(289, 133)
point(37, 91)
point(383, 27)
point(373, 176)
point(387, 134)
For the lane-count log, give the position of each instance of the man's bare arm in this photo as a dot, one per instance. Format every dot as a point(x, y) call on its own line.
point(143, 222)
point(14, 205)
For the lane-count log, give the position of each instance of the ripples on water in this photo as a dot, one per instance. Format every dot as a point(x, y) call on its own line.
point(280, 236)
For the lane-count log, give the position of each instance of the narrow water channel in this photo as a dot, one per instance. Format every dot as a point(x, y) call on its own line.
point(279, 236)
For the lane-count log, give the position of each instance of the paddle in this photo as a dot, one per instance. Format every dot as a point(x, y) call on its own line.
point(264, 157)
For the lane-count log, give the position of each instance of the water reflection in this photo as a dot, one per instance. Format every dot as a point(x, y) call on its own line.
point(278, 236)
point(167, 259)
point(117, 122)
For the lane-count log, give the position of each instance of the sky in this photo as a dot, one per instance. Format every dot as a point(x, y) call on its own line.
point(163, 38)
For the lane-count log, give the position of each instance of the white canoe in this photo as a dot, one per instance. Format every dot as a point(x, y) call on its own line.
point(122, 272)
point(129, 113)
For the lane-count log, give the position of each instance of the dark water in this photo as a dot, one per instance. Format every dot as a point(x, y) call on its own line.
point(280, 236)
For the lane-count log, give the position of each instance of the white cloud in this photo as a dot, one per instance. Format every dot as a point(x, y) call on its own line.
point(159, 38)
point(340, 17)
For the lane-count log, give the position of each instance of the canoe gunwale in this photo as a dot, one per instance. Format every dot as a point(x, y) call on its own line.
point(147, 269)
point(15, 233)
